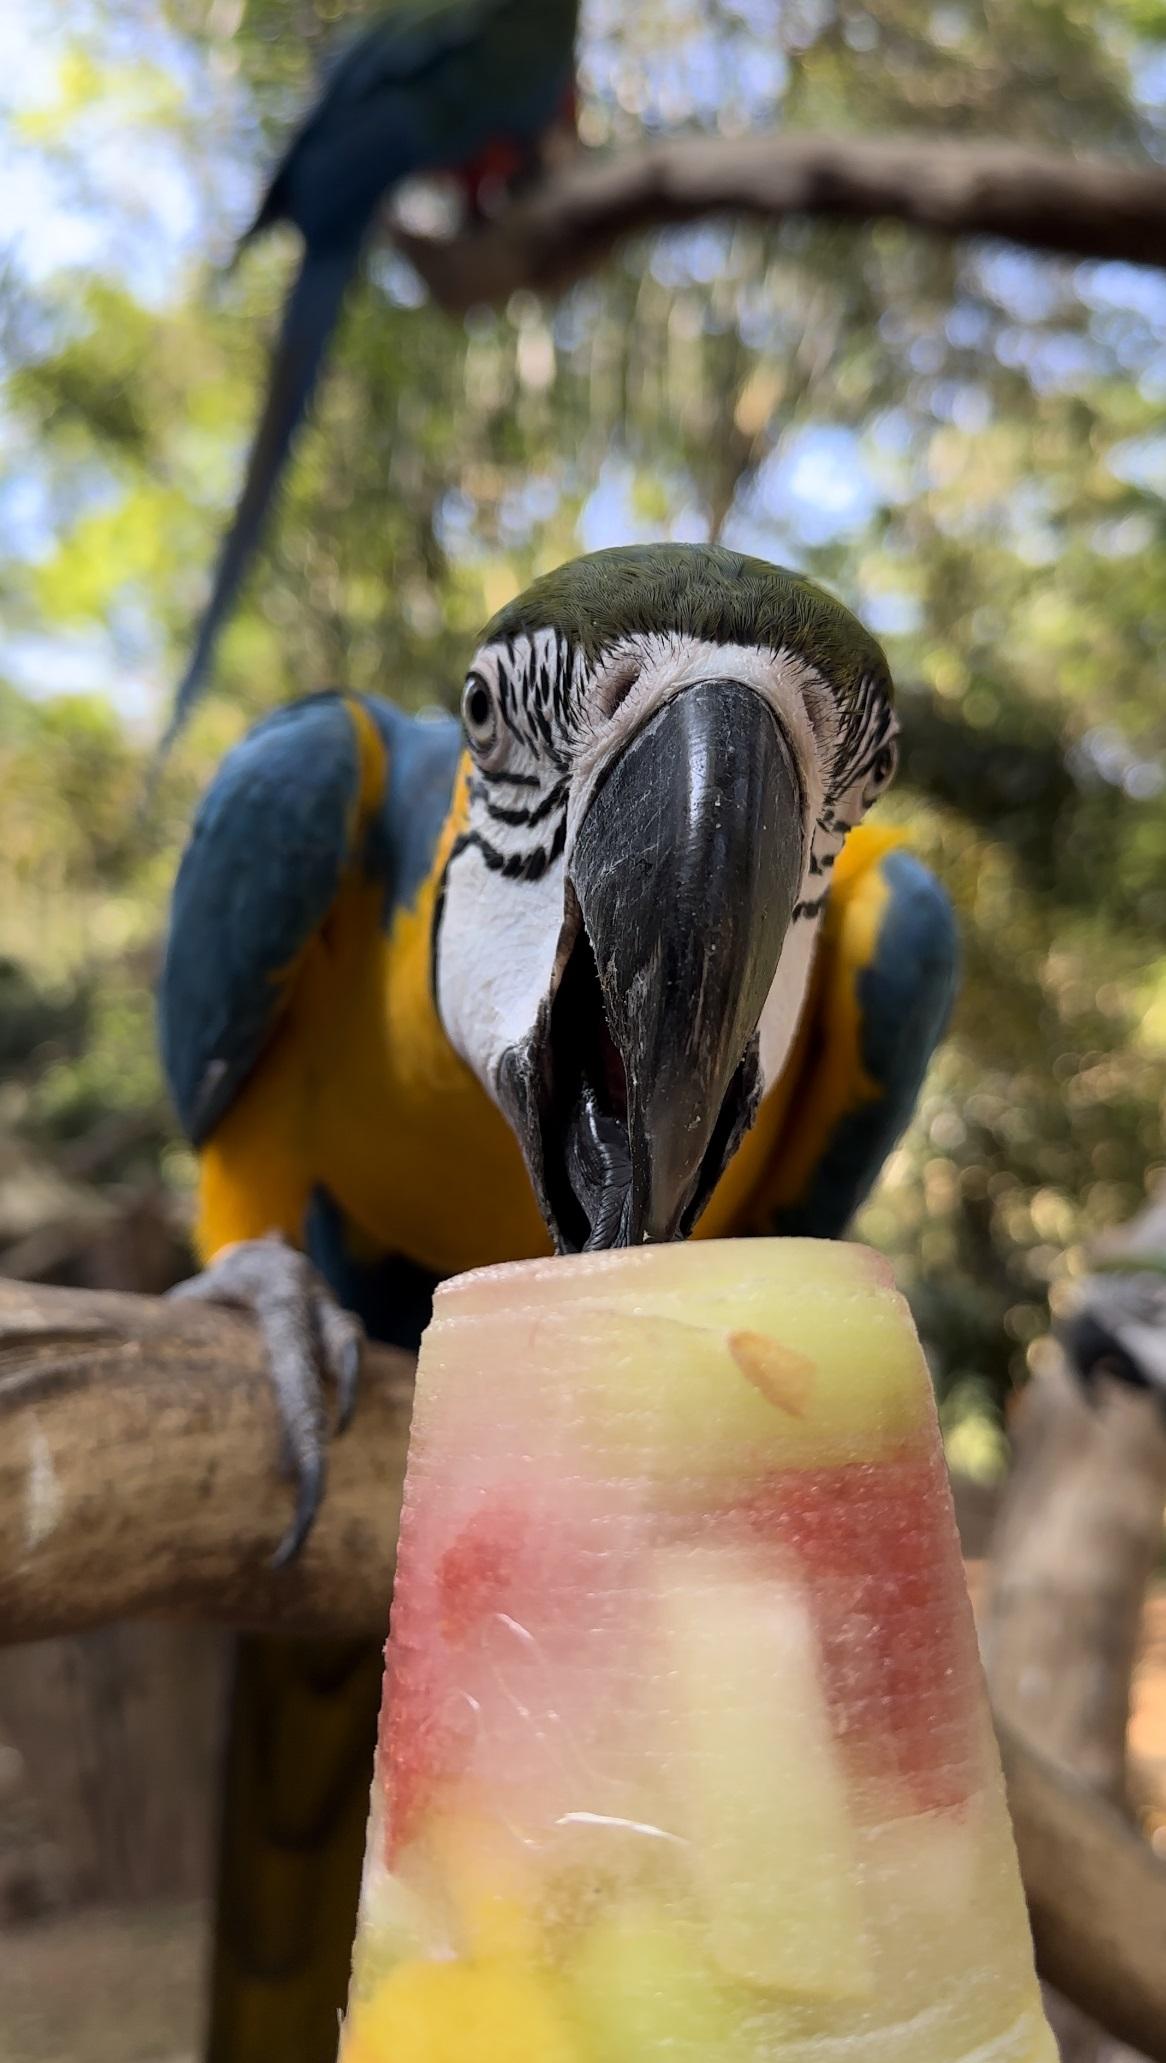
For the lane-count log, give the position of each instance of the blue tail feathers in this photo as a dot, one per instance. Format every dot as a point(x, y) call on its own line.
point(309, 320)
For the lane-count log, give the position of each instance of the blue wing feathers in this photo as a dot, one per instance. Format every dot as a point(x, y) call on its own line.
point(907, 992)
point(265, 859)
point(905, 997)
point(423, 754)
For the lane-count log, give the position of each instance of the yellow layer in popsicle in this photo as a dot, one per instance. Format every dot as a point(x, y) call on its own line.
point(721, 1361)
point(488, 2012)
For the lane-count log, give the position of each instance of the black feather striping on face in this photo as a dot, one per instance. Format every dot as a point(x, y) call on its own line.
point(536, 814)
point(531, 695)
point(514, 866)
point(867, 733)
point(499, 777)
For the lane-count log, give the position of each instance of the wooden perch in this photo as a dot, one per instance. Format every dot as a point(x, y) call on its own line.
point(1088, 207)
point(138, 1474)
point(1096, 1897)
point(1077, 1539)
point(136, 1478)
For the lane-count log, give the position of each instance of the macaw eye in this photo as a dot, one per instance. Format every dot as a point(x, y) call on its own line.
point(883, 766)
point(479, 714)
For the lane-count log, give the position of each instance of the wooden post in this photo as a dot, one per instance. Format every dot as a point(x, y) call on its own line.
point(1077, 1537)
point(1076, 1541)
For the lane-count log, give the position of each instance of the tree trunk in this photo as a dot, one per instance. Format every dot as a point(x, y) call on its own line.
point(1076, 1541)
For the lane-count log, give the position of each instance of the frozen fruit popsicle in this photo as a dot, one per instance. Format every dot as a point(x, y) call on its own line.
point(685, 1753)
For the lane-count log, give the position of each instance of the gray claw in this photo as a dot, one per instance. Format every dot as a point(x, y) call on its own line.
point(308, 1337)
point(310, 1474)
point(341, 1340)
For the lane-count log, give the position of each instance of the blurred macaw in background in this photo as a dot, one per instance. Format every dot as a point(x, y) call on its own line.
point(471, 87)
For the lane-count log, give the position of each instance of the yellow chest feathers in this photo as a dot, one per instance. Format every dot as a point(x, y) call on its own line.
point(402, 1133)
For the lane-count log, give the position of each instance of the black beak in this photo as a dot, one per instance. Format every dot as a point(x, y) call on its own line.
point(642, 1078)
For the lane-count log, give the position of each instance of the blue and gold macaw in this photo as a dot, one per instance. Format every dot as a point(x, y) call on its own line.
point(613, 960)
point(472, 87)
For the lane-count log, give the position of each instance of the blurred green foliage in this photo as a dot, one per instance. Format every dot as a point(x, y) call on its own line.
point(965, 442)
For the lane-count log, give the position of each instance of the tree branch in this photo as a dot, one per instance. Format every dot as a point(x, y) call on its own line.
point(1076, 1542)
point(1088, 207)
point(138, 1477)
point(1096, 1898)
point(136, 1441)
point(1077, 1538)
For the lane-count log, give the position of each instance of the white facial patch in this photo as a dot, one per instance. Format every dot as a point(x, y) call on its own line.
point(782, 1010)
point(495, 958)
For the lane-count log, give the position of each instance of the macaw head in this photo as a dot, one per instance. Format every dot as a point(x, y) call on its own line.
point(668, 745)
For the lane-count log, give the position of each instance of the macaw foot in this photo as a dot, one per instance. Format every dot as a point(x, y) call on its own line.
point(310, 1339)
